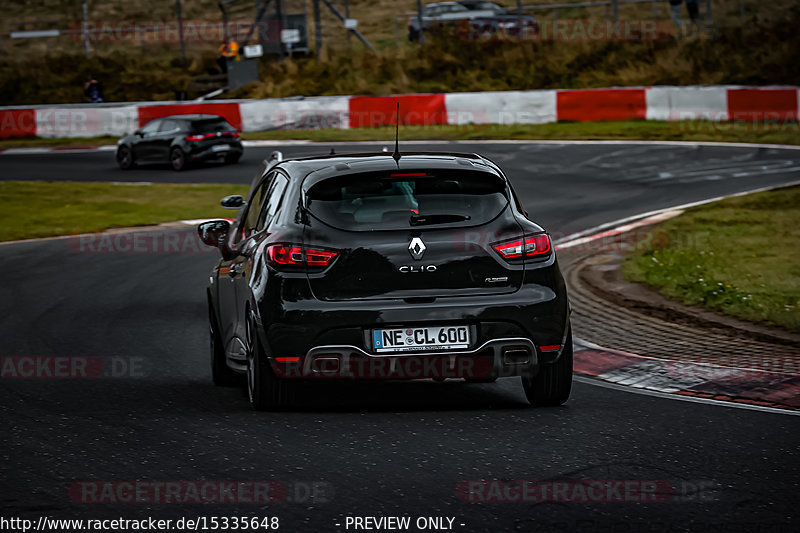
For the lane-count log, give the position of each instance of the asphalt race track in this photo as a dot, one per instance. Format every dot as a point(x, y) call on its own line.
point(368, 449)
point(565, 187)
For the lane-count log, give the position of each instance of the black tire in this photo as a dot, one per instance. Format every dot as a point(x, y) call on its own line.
point(552, 385)
point(232, 159)
point(221, 374)
point(124, 157)
point(177, 159)
point(265, 390)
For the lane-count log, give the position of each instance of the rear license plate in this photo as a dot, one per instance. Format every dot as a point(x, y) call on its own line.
point(220, 148)
point(438, 338)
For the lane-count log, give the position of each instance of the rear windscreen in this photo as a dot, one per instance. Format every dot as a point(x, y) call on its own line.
point(211, 125)
point(407, 199)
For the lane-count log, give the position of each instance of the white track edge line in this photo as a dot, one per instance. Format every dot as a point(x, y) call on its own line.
point(673, 396)
point(571, 240)
point(593, 346)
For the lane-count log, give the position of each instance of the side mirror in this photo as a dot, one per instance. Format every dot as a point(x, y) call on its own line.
point(214, 232)
point(234, 201)
point(139, 133)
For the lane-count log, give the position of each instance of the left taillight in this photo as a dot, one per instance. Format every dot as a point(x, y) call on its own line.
point(294, 256)
point(528, 247)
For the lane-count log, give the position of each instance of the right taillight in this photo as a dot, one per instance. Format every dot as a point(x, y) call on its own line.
point(529, 247)
point(293, 255)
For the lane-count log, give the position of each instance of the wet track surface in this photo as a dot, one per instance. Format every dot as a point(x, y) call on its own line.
point(373, 448)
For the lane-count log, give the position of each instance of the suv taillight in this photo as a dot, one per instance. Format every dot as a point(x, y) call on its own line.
point(292, 255)
point(530, 247)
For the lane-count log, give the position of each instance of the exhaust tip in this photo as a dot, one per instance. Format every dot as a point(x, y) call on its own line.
point(325, 365)
point(516, 355)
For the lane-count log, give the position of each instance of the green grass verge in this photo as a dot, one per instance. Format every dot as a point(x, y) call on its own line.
point(45, 209)
point(739, 256)
point(63, 141)
point(788, 133)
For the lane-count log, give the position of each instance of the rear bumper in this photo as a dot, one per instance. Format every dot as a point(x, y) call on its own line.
point(492, 359)
point(535, 317)
point(206, 153)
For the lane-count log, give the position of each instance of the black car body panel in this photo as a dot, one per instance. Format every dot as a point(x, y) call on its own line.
point(318, 286)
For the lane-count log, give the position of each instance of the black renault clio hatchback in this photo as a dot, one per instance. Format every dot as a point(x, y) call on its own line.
point(379, 267)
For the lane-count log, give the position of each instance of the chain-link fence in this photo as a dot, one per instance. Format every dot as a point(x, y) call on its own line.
point(152, 27)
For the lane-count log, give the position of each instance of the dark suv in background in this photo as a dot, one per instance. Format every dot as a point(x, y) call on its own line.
point(444, 13)
point(180, 140)
point(367, 267)
point(480, 19)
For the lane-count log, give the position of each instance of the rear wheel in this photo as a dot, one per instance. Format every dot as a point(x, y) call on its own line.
point(221, 373)
point(552, 385)
point(265, 390)
point(124, 157)
point(177, 159)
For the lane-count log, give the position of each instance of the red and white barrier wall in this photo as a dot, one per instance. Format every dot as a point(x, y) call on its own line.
point(716, 103)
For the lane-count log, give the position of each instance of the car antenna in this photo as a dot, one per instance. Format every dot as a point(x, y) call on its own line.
point(396, 154)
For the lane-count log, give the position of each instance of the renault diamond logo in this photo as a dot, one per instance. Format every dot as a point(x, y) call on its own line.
point(416, 248)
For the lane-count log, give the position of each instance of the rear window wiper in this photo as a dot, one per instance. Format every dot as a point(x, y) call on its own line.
point(424, 220)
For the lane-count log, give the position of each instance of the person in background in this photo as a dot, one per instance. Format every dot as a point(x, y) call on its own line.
point(693, 7)
point(227, 51)
point(675, 10)
point(93, 90)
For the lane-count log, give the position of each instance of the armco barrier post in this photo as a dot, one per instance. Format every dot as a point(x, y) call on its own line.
point(86, 45)
point(179, 14)
point(317, 30)
point(419, 21)
point(347, 16)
